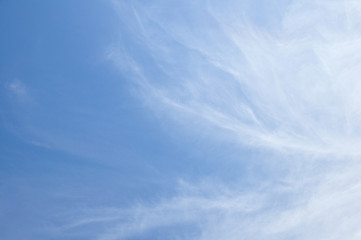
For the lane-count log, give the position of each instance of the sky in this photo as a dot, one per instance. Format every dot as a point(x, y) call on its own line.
point(201, 120)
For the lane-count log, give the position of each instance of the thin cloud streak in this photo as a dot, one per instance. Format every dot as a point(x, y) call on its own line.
point(328, 209)
point(291, 87)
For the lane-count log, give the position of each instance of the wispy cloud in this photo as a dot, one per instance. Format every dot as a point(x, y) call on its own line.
point(287, 82)
point(18, 90)
point(329, 209)
point(293, 86)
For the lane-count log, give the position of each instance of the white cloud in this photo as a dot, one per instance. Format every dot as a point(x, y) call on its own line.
point(18, 89)
point(292, 87)
point(327, 210)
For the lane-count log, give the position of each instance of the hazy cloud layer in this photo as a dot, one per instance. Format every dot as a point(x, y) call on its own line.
point(283, 77)
point(309, 208)
point(291, 85)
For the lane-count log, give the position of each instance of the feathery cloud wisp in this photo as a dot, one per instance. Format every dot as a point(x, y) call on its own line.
point(292, 86)
point(287, 82)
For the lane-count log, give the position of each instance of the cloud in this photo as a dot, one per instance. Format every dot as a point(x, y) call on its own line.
point(18, 89)
point(291, 86)
point(328, 210)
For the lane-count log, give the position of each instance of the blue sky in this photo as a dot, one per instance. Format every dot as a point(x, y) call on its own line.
point(180, 119)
